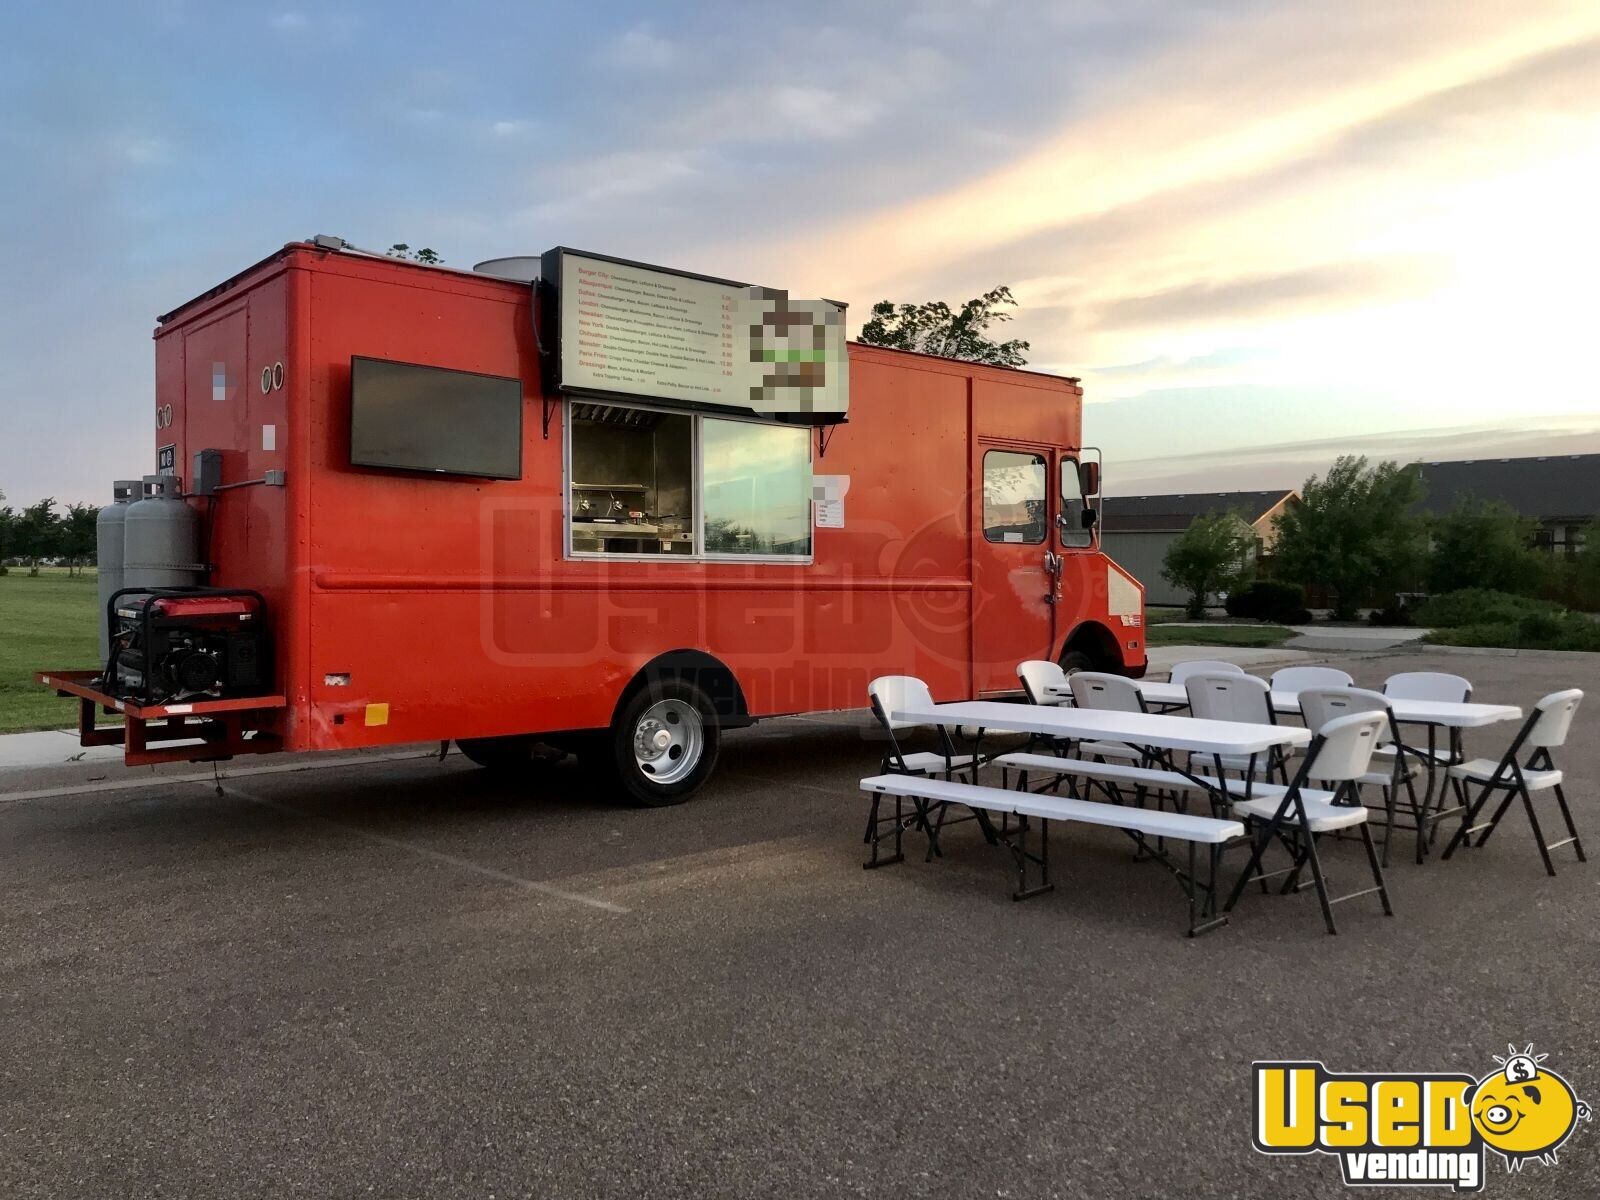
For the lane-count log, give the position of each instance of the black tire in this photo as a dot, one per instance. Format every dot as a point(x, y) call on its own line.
point(1074, 661)
point(668, 708)
point(508, 754)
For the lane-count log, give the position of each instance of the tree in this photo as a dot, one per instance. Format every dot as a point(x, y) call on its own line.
point(8, 520)
point(1352, 532)
point(932, 328)
point(78, 535)
point(1485, 544)
point(425, 255)
point(1585, 572)
point(1210, 556)
point(35, 533)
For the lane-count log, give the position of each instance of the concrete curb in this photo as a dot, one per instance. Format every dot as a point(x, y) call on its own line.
point(1508, 652)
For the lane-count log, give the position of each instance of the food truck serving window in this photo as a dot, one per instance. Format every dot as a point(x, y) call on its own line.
point(646, 482)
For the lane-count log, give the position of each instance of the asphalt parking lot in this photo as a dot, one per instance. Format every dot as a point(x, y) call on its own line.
point(410, 978)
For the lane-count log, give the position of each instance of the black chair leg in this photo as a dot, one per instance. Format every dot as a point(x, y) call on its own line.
point(1572, 830)
point(1494, 821)
point(1377, 871)
point(1469, 815)
point(1538, 834)
point(1390, 800)
point(1263, 835)
point(1322, 883)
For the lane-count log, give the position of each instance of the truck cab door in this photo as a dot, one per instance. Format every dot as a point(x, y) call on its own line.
point(1015, 568)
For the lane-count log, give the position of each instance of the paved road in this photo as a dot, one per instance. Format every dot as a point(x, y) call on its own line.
point(409, 979)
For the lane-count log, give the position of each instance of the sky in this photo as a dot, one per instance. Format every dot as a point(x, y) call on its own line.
point(1264, 234)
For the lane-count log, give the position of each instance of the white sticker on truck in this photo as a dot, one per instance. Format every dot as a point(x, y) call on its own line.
point(1122, 594)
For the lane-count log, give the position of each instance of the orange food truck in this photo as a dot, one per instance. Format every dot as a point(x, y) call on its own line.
point(577, 502)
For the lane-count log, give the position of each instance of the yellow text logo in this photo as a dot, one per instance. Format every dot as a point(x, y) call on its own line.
point(1386, 1130)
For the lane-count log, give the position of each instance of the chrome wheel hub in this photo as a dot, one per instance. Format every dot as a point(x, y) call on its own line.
point(668, 741)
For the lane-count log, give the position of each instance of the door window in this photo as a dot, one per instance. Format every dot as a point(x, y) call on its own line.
point(1014, 497)
point(1074, 535)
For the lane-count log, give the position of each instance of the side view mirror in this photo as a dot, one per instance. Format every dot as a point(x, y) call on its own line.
point(1089, 478)
point(1090, 516)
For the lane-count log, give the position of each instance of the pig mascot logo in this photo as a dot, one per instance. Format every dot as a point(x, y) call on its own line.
point(1524, 1110)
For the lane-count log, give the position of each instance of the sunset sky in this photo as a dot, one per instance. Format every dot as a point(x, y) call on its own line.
point(1263, 233)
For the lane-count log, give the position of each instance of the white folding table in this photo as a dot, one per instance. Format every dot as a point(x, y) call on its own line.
point(1440, 713)
point(1454, 716)
point(1139, 730)
point(1095, 724)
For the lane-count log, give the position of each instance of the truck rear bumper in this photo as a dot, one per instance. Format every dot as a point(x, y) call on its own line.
point(200, 731)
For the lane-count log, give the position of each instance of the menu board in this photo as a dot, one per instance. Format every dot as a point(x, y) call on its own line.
point(641, 331)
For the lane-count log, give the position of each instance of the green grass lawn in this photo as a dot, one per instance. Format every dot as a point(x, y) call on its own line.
point(46, 620)
point(1220, 635)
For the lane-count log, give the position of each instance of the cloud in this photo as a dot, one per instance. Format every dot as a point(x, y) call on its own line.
point(1289, 463)
point(1236, 103)
point(640, 48)
point(603, 179)
point(1253, 297)
point(289, 22)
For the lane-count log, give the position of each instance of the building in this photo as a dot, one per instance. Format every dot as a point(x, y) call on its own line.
point(1559, 492)
point(1136, 530)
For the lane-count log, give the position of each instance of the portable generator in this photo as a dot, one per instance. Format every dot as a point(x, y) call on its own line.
point(169, 645)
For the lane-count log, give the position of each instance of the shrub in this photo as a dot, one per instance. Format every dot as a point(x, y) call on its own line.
point(1396, 612)
point(1478, 606)
point(1270, 600)
point(1486, 544)
point(1531, 631)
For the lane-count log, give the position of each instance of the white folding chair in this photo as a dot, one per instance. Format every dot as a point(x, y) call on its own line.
point(887, 694)
point(1038, 676)
point(1446, 688)
point(891, 692)
point(1428, 685)
point(1320, 706)
point(1095, 689)
point(1297, 679)
point(1224, 696)
point(1339, 755)
point(1181, 672)
point(1185, 671)
point(1547, 726)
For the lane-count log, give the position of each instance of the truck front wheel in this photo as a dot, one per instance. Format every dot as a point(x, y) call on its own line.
point(664, 744)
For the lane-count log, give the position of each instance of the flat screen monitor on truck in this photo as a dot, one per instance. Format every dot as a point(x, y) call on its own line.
point(604, 507)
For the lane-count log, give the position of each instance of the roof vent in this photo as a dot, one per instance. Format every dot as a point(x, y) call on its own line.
point(523, 268)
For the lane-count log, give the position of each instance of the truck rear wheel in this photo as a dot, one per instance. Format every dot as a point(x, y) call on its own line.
point(664, 744)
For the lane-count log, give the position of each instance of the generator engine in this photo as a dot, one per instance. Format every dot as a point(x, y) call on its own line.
point(182, 644)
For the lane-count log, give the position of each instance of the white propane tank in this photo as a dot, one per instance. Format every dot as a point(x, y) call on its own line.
point(161, 539)
point(108, 551)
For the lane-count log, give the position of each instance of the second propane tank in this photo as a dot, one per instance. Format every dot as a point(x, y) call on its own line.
point(108, 550)
point(161, 538)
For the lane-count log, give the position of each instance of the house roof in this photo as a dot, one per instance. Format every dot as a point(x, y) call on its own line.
point(1546, 487)
point(1135, 514)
